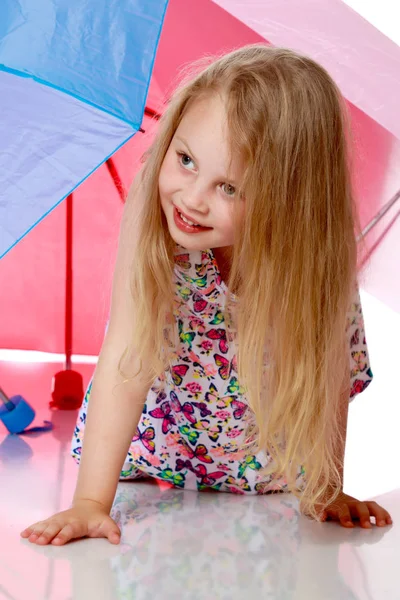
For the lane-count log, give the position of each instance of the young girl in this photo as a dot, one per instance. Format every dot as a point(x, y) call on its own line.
point(236, 335)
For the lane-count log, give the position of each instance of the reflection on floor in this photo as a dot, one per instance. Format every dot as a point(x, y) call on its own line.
point(189, 545)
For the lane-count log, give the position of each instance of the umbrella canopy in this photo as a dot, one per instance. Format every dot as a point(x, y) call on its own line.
point(33, 271)
point(74, 79)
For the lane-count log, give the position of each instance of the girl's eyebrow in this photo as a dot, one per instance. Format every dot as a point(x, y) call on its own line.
point(187, 146)
point(224, 177)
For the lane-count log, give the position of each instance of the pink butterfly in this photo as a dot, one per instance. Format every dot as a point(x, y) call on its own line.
point(178, 373)
point(225, 365)
point(183, 261)
point(164, 412)
point(355, 338)
point(234, 363)
point(219, 334)
point(160, 397)
point(202, 406)
point(208, 478)
point(200, 452)
point(239, 409)
point(183, 464)
point(199, 304)
point(359, 386)
point(187, 409)
point(146, 438)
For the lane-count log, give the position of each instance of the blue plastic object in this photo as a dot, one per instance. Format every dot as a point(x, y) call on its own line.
point(16, 413)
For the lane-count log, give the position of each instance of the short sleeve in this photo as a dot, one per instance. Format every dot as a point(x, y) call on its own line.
point(360, 369)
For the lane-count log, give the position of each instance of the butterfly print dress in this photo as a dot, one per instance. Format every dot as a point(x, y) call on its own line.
point(191, 430)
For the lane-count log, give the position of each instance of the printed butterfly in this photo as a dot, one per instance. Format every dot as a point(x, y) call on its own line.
point(225, 366)
point(178, 372)
point(235, 387)
point(183, 464)
point(239, 408)
point(202, 406)
point(359, 386)
point(213, 432)
point(213, 397)
point(218, 319)
point(187, 409)
point(183, 261)
point(250, 462)
point(208, 479)
point(355, 338)
point(184, 292)
point(177, 479)
point(160, 397)
point(242, 484)
point(360, 358)
point(200, 281)
point(199, 303)
point(146, 438)
point(200, 452)
point(201, 270)
point(186, 338)
point(164, 412)
point(192, 436)
point(219, 334)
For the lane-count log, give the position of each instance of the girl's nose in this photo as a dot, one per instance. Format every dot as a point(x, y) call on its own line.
point(195, 199)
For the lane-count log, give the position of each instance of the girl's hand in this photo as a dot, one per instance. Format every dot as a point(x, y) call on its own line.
point(345, 509)
point(86, 519)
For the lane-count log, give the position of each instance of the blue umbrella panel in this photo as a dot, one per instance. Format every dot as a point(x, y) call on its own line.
point(74, 77)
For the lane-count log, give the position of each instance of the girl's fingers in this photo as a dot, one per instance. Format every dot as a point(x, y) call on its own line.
point(67, 533)
point(27, 532)
point(114, 535)
point(36, 531)
point(340, 513)
point(36, 528)
point(361, 511)
point(345, 516)
point(381, 515)
point(107, 529)
point(54, 532)
point(48, 533)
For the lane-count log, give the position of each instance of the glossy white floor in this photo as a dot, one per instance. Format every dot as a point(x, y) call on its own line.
point(191, 545)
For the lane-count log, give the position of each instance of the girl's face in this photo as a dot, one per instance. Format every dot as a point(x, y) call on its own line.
point(194, 177)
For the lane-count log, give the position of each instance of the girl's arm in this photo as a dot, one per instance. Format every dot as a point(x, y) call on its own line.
point(346, 508)
point(111, 421)
point(114, 412)
point(343, 414)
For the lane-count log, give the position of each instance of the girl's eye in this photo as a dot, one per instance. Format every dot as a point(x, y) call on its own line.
point(184, 159)
point(228, 189)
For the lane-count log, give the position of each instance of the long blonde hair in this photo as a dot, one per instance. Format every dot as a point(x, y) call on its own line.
point(294, 262)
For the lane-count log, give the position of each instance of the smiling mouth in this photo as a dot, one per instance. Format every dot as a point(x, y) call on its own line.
point(188, 221)
point(188, 226)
